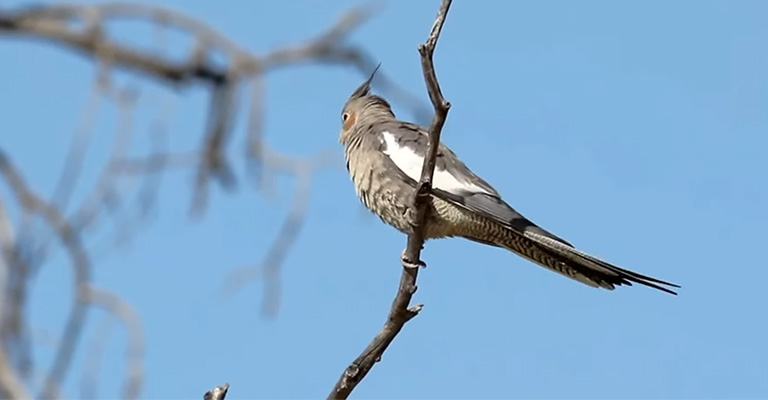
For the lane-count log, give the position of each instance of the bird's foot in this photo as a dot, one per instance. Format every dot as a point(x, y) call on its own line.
point(408, 263)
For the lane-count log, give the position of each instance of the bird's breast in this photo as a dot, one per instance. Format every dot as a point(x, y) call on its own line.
point(385, 193)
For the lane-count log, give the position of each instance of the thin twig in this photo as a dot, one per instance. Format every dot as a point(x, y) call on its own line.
point(124, 312)
point(400, 313)
point(89, 382)
point(7, 243)
point(11, 386)
point(269, 268)
point(76, 154)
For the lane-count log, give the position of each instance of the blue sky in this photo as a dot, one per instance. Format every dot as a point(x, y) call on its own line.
point(635, 130)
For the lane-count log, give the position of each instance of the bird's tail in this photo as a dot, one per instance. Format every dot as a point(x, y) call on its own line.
point(564, 259)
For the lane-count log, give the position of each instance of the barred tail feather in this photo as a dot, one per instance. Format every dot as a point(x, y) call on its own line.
point(566, 260)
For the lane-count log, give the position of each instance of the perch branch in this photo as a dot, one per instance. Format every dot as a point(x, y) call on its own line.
point(400, 313)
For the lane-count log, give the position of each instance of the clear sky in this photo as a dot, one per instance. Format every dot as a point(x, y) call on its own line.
point(635, 130)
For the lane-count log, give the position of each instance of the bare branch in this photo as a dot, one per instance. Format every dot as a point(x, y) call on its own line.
point(70, 240)
point(85, 215)
point(11, 386)
point(400, 313)
point(52, 23)
point(92, 364)
point(254, 150)
point(75, 155)
point(7, 243)
point(58, 24)
point(84, 29)
point(130, 319)
point(269, 268)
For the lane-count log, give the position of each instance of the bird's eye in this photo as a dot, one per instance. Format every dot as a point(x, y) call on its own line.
point(344, 117)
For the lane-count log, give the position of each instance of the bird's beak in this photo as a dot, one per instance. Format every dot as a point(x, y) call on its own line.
point(365, 88)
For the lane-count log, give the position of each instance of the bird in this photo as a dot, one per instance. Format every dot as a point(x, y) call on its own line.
point(384, 157)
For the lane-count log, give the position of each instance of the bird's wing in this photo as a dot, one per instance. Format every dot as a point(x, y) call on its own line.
point(406, 145)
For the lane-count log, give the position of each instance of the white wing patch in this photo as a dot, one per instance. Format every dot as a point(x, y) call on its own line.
point(411, 163)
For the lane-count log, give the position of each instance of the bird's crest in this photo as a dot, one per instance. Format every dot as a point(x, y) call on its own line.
point(365, 88)
point(363, 105)
point(362, 98)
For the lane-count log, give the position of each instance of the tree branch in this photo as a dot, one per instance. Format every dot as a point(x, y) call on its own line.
point(70, 240)
point(119, 308)
point(400, 313)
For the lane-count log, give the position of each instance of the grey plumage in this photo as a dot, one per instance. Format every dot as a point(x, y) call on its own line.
point(384, 158)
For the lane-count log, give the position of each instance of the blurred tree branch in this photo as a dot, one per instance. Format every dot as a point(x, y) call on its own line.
point(45, 226)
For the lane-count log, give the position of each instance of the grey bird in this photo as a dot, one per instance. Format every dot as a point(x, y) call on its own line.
point(384, 157)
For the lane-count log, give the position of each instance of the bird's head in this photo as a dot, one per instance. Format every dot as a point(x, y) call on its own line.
point(363, 108)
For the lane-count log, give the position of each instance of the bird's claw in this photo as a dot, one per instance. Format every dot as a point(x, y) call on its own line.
point(407, 263)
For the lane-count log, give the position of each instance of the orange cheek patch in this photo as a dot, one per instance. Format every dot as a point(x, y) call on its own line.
point(349, 122)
